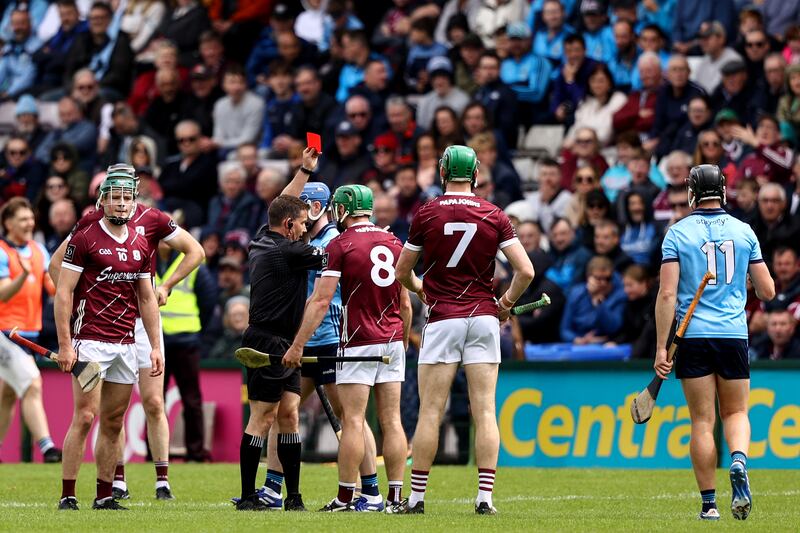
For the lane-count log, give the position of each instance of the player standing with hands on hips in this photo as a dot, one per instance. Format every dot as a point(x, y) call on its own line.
point(459, 235)
point(106, 269)
point(711, 360)
point(152, 226)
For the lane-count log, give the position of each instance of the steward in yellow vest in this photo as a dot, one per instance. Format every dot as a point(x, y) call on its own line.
point(188, 310)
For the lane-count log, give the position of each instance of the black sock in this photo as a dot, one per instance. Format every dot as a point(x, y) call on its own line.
point(249, 456)
point(709, 498)
point(289, 448)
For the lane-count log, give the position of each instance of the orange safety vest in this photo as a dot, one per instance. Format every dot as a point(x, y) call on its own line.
point(24, 309)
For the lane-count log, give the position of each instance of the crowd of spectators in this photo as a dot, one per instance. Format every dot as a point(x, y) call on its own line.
point(211, 101)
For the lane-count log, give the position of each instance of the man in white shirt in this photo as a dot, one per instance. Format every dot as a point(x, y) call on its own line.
point(549, 202)
point(712, 41)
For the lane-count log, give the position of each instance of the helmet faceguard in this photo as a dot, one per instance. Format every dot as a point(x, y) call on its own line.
point(120, 188)
point(356, 201)
point(316, 191)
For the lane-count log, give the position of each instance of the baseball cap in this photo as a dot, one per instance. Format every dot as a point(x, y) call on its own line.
point(733, 66)
point(201, 72)
point(439, 64)
point(471, 40)
point(26, 105)
point(518, 30)
point(345, 129)
point(593, 7)
point(726, 115)
point(237, 238)
point(281, 12)
point(707, 29)
point(230, 262)
point(386, 140)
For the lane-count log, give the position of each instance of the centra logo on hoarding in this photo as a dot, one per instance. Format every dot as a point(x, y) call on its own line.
point(583, 418)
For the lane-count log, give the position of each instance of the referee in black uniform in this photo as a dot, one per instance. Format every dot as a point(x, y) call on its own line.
point(279, 264)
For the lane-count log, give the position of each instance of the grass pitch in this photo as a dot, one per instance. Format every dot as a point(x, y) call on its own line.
point(572, 500)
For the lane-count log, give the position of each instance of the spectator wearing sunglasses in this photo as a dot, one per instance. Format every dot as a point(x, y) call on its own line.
point(21, 174)
point(595, 309)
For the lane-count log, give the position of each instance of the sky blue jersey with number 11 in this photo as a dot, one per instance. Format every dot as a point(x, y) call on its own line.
point(712, 240)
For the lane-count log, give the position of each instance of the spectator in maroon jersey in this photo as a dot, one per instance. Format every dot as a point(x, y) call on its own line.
point(770, 162)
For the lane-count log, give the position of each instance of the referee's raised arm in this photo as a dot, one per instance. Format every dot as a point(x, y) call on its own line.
point(295, 187)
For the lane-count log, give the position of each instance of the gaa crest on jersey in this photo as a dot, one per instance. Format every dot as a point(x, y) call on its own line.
point(70, 252)
point(325, 260)
point(172, 225)
point(140, 230)
point(137, 256)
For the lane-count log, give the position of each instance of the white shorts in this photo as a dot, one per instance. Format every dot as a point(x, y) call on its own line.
point(142, 342)
point(367, 373)
point(117, 361)
point(17, 368)
point(471, 340)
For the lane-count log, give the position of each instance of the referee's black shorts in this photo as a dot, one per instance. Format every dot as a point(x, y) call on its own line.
point(727, 358)
point(266, 384)
point(324, 372)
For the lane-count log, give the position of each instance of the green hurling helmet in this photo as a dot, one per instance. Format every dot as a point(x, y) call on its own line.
point(458, 163)
point(118, 179)
point(356, 200)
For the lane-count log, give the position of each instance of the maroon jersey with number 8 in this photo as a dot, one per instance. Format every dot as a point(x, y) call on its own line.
point(459, 235)
point(105, 303)
point(364, 257)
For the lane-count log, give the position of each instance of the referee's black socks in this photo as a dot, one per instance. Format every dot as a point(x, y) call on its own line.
point(289, 448)
point(249, 457)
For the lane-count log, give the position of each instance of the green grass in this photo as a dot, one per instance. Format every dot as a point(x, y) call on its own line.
point(527, 499)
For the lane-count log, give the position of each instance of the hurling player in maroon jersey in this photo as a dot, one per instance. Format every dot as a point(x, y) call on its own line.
point(459, 235)
point(154, 226)
point(376, 323)
point(105, 277)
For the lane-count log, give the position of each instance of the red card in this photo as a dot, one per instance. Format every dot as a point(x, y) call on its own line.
point(313, 140)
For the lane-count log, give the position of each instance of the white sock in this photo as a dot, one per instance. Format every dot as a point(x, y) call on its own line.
point(121, 485)
point(160, 484)
point(372, 499)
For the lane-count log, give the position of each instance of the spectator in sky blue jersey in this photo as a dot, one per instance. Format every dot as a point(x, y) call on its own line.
point(548, 40)
point(596, 32)
point(623, 63)
point(528, 75)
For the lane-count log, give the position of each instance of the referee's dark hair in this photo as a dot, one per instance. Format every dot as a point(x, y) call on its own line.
point(285, 206)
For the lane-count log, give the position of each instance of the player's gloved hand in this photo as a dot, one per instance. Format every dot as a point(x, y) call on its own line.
point(291, 359)
point(504, 306)
point(157, 362)
point(661, 365)
point(66, 358)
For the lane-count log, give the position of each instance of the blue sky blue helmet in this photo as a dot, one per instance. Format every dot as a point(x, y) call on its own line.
point(316, 191)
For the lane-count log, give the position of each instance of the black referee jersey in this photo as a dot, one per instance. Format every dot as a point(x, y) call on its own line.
point(279, 280)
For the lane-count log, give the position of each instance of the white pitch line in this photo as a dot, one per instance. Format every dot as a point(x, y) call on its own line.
point(515, 498)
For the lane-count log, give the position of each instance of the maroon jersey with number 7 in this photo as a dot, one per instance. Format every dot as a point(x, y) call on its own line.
point(363, 257)
point(459, 235)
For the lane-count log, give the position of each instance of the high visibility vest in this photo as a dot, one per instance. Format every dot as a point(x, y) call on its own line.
point(24, 309)
point(181, 313)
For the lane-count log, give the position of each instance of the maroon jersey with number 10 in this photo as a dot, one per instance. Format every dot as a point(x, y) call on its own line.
point(364, 257)
point(105, 303)
point(459, 235)
point(152, 224)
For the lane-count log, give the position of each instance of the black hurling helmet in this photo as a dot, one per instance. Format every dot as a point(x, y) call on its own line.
point(706, 182)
